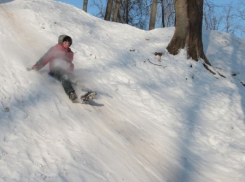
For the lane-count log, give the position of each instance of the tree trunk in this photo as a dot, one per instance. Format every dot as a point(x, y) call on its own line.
point(163, 22)
point(85, 5)
point(188, 29)
point(116, 9)
point(153, 14)
point(127, 11)
point(108, 10)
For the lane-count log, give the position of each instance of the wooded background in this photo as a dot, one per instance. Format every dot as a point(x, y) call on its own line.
point(150, 14)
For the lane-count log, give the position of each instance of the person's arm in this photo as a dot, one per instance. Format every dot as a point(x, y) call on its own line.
point(43, 60)
point(70, 55)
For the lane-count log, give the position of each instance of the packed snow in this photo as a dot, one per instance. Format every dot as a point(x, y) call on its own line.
point(157, 118)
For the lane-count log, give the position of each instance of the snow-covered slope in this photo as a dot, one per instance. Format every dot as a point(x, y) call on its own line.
point(164, 118)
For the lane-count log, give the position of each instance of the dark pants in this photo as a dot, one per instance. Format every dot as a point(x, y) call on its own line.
point(63, 77)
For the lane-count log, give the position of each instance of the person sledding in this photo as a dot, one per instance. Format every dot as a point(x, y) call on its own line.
point(60, 59)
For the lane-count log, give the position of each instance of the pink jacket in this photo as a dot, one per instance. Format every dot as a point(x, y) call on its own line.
point(56, 53)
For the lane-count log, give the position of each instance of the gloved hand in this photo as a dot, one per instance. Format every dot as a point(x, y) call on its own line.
point(34, 67)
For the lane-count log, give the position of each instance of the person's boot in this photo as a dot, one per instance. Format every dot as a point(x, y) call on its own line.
point(88, 96)
point(72, 96)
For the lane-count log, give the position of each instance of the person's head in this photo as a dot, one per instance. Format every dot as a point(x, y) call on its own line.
point(65, 41)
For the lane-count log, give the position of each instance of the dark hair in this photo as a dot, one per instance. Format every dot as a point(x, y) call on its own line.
point(68, 39)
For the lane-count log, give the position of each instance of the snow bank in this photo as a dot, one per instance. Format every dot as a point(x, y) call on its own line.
point(164, 118)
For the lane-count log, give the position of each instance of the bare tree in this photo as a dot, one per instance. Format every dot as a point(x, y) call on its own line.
point(225, 17)
point(166, 15)
point(153, 14)
point(85, 5)
point(162, 7)
point(108, 10)
point(241, 16)
point(230, 19)
point(188, 30)
point(211, 19)
point(241, 10)
point(127, 2)
point(116, 9)
point(100, 8)
point(135, 13)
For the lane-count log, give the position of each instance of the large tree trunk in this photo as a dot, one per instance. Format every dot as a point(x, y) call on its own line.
point(85, 5)
point(188, 30)
point(116, 9)
point(153, 14)
point(108, 10)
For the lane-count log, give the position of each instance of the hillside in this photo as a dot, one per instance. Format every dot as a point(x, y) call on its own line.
point(158, 119)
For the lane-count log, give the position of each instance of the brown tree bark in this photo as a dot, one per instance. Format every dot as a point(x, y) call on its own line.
point(116, 9)
point(188, 30)
point(162, 6)
point(108, 10)
point(153, 14)
point(85, 5)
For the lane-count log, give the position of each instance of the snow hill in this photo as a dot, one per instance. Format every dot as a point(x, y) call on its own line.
point(164, 119)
